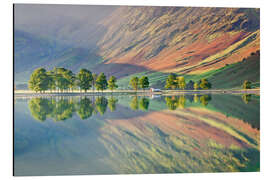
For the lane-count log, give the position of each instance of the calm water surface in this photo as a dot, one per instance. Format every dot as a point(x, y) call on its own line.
point(129, 134)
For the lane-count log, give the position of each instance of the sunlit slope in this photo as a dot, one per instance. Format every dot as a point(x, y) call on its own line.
point(180, 141)
point(181, 40)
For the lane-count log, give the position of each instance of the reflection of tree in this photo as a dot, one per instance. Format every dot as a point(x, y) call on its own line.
point(62, 109)
point(134, 105)
point(112, 103)
point(182, 101)
point(144, 104)
point(101, 105)
point(172, 102)
point(246, 98)
point(204, 99)
point(40, 108)
point(196, 98)
point(84, 108)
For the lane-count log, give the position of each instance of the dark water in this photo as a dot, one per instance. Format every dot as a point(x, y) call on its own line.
point(129, 134)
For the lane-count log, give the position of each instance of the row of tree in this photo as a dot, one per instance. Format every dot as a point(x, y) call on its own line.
point(178, 82)
point(137, 83)
point(64, 79)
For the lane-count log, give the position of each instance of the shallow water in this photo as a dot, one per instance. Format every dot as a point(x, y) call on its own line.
point(129, 134)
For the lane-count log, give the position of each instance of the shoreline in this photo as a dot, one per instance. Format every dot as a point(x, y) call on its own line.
point(28, 93)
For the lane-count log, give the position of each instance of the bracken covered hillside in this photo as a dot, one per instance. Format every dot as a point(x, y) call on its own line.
point(182, 40)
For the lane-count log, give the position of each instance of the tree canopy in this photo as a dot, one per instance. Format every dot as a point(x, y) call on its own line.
point(101, 82)
point(134, 83)
point(85, 79)
point(112, 83)
point(144, 82)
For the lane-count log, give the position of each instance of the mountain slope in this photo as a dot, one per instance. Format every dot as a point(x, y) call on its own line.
point(180, 39)
point(123, 41)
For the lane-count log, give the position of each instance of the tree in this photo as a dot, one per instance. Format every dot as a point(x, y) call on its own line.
point(94, 80)
point(112, 83)
point(84, 79)
point(204, 84)
point(101, 82)
point(71, 78)
point(134, 82)
point(144, 82)
point(171, 82)
point(60, 77)
point(190, 85)
point(247, 85)
point(39, 80)
point(196, 86)
point(51, 80)
point(181, 82)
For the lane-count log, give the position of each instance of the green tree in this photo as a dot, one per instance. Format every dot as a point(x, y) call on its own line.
point(70, 76)
point(171, 82)
point(144, 104)
point(39, 80)
point(181, 82)
point(204, 84)
point(134, 83)
point(61, 81)
point(84, 79)
point(196, 86)
point(51, 80)
point(94, 80)
point(112, 83)
point(101, 105)
point(247, 85)
point(101, 82)
point(144, 82)
point(84, 108)
point(190, 85)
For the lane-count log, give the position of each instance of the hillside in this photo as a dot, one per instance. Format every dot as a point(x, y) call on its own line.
point(144, 40)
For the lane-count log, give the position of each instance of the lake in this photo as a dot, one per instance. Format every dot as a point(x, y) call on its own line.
point(136, 134)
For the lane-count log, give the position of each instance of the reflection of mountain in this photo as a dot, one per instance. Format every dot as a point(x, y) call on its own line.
point(187, 140)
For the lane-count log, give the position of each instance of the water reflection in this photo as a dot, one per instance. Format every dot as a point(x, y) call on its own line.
point(60, 109)
point(137, 134)
point(174, 102)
